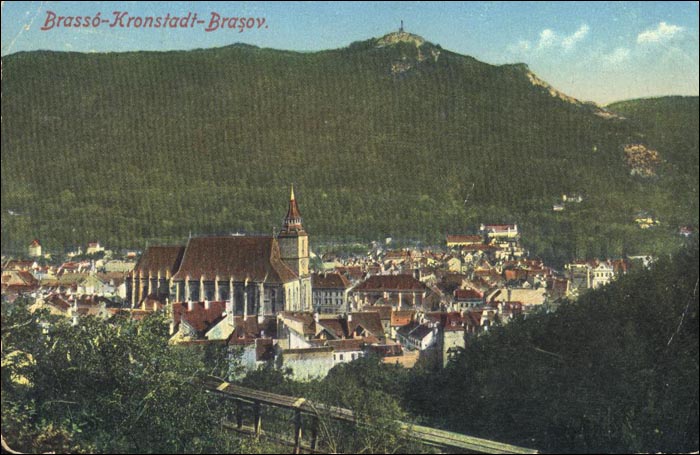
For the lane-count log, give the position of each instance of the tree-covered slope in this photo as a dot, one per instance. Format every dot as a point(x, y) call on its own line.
point(669, 123)
point(382, 137)
point(614, 372)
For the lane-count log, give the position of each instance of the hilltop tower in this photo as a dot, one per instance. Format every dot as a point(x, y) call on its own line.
point(293, 240)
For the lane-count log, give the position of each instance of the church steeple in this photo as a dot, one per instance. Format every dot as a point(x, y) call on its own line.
point(292, 222)
point(294, 241)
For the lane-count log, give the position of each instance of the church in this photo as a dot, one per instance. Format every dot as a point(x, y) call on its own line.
point(254, 275)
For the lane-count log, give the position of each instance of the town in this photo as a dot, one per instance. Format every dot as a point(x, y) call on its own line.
point(273, 301)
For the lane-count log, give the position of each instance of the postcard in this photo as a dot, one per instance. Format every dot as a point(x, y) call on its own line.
point(361, 227)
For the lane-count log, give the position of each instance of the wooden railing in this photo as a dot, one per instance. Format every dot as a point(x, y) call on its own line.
point(244, 397)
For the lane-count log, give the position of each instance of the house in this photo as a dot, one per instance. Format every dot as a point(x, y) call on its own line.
point(454, 264)
point(686, 231)
point(115, 283)
point(242, 330)
point(602, 274)
point(18, 282)
point(306, 364)
point(330, 293)
point(499, 231)
point(451, 334)
point(192, 320)
point(19, 265)
point(353, 273)
point(575, 198)
point(311, 344)
point(467, 298)
point(34, 249)
point(345, 351)
point(300, 330)
point(594, 273)
point(529, 298)
point(385, 313)
point(461, 240)
point(417, 336)
point(645, 220)
point(94, 284)
point(259, 353)
point(94, 248)
point(119, 265)
point(400, 291)
point(400, 318)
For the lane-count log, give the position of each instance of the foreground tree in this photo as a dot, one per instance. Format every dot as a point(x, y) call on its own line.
point(104, 387)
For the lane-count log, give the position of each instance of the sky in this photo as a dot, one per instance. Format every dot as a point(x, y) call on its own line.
point(594, 51)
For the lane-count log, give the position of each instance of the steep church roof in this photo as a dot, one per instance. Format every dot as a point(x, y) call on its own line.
point(254, 258)
point(163, 259)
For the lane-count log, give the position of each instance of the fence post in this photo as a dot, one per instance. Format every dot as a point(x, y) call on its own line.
point(314, 433)
point(297, 431)
point(257, 419)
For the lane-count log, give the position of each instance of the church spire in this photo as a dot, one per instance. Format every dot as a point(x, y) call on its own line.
point(292, 222)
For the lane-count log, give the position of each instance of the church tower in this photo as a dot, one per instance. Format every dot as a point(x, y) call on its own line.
point(293, 240)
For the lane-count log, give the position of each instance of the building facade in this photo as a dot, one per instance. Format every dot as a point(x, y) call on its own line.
point(330, 293)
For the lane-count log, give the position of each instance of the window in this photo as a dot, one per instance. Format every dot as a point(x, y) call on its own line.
point(341, 357)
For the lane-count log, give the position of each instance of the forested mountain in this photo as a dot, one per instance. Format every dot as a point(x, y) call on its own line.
point(669, 123)
point(387, 136)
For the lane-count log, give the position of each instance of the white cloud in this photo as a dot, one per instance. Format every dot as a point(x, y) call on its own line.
point(570, 41)
point(547, 38)
point(662, 32)
point(617, 56)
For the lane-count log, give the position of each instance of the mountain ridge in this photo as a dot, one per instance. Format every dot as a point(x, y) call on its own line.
point(164, 143)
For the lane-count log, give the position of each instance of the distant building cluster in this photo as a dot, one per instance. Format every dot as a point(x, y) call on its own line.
point(258, 295)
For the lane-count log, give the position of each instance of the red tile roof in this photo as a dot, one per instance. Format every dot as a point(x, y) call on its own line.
point(464, 238)
point(307, 319)
point(369, 321)
point(402, 318)
point(163, 259)
point(468, 294)
point(383, 310)
point(452, 321)
point(200, 318)
point(346, 345)
point(329, 281)
point(338, 328)
point(240, 258)
point(391, 283)
point(499, 227)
